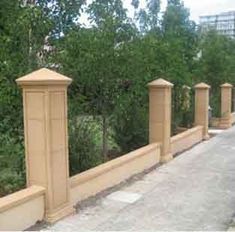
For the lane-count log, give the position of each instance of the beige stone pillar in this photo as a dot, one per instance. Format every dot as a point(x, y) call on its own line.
point(160, 116)
point(202, 107)
point(226, 106)
point(46, 139)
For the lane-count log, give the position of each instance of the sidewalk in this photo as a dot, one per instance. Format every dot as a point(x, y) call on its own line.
point(195, 191)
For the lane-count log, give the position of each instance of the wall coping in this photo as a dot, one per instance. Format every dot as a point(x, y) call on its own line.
point(103, 168)
point(20, 197)
point(186, 133)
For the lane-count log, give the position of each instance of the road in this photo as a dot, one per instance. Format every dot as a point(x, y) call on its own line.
point(195, 191)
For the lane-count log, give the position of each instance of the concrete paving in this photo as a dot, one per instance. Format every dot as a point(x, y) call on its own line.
point(213, 131)
point(195, 191)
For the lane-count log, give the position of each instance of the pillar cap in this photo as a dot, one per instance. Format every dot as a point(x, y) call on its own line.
point(202, 85)
point(43, 76)
point(159, 83)
point(226, 85)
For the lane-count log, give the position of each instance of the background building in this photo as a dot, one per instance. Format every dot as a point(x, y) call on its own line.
point(224, 23)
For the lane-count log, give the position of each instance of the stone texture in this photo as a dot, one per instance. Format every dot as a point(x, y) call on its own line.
point(202, 107)
point(195, 191)
point(104, 176)
point(226, 106)
point(160, 116)
point(25, 207)
point(185, 140)
point(127, 197)
point(46, 139)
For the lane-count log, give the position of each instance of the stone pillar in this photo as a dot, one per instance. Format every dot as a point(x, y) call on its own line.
point(46, 139)
point(226, 106)
point(202, 107)
point(160, 116)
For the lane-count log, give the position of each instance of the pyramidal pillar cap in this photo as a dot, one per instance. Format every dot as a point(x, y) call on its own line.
point(160, 83)
point(202, 85)
point(226, 85)
point(43, 76)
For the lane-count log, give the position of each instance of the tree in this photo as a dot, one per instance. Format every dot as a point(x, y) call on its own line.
point(216, 65)
point(22, 32)
point(179, 32)
point(26, 28)
point(91, 57)
point(148, 18)
point(64, 14)
point(180, 35)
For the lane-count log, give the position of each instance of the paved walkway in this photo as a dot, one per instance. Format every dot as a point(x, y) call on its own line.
point(195, 191)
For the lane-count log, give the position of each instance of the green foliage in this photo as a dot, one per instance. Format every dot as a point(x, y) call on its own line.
point(130, 124)
point(91, 56)
point(83, 147)
point(182, 108)
point(12, 168)
point(216, 65)
point(10, 181)
point(18, 49)
point(111, 62)
point(24, 26)
point(179, 33)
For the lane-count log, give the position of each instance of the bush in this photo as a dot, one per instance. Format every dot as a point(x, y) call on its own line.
point(10, 181)
point(182, 108)
point(215, 102)
point(12, 174)
point(130, 125)
point(84, 152)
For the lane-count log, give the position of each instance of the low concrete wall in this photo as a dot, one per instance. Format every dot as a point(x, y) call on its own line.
point(215, 122)
point(187, 139)
point(20, 210)
point(109, 174)
point(233, 117)
point(221, 123)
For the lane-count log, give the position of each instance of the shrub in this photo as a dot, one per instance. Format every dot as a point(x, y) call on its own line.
point(215, 102)
point(12, 174)
point(84, 152)
point(10, 181)
point(183, 100)
point(130, 125)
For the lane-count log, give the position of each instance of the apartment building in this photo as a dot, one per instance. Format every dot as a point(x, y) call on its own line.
point(224, 23)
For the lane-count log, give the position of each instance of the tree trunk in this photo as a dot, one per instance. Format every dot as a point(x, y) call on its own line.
point(30, 48)
point(105, 137)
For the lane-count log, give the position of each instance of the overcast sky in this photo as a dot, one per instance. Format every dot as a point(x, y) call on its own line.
point(197, 7)
point(204, 7)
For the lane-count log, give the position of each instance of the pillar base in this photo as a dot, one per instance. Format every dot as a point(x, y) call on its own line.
point(224, 127)
point(166, 158)
point(225, 123)
point(206, 137)
point(54, 217)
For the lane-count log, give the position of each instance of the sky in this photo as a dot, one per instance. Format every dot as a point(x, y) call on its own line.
point(207, 7)
point(197, 7)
